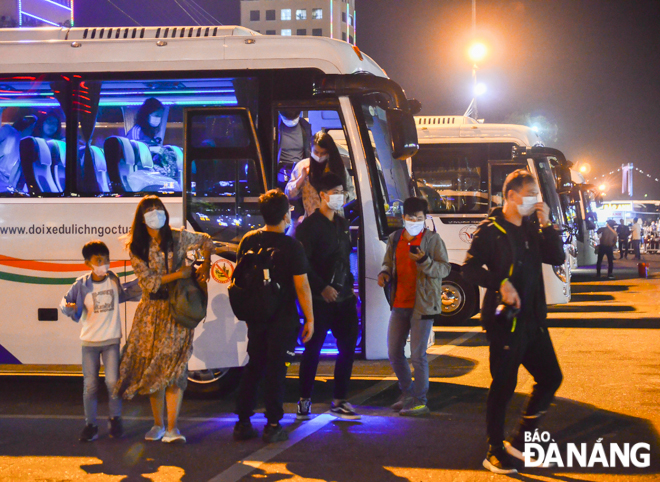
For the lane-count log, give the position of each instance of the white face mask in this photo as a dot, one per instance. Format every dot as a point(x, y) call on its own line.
point(320, 159)
point(336, 202)
point(527, 206)
point(413, 227)
point(155, 219)
point(101, 271)
point(154, 120)
point(290, 122)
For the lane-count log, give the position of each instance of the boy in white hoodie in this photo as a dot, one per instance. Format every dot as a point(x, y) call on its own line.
point(94, 301)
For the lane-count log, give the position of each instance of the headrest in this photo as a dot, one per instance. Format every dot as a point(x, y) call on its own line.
point(98, 158)
point(57, 151)
point(121, 148)
point(142, 155)
point(35, 150)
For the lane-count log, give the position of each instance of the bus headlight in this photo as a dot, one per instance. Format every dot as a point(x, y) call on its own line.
point(560, 272)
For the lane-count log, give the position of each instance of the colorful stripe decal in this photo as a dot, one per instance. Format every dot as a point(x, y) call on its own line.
point(19, 278)
point(7, 358)
point(53, 267)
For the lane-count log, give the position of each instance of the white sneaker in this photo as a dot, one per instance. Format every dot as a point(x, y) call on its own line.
point(156, 433)
point(173, 437)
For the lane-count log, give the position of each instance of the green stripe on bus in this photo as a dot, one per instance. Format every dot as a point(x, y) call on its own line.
point(35, 280)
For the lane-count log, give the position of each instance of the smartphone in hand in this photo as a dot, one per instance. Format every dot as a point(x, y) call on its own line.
point(414, 249)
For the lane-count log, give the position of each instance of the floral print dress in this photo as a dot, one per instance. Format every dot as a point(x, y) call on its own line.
point(158, 349)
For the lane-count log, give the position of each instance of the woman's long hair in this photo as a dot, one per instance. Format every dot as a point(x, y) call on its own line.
point(149, 106)
point(335, 162)
point(138, 239)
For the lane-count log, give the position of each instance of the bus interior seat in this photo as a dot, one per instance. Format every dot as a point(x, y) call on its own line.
point(58, 157)
point(100, 167)
point(145, 177)
point(36, 163)
point(143, 158)
point(120, 158)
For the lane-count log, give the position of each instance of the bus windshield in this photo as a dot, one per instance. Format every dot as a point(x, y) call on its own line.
point(547, 185)
point(462, 178)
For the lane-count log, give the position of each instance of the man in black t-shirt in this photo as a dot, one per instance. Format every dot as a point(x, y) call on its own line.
point(270, 342)
point(327, 243)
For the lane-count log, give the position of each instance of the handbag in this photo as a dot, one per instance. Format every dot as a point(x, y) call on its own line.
point(188, 300)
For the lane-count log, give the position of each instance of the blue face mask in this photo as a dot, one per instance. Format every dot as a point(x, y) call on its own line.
point(155, 219)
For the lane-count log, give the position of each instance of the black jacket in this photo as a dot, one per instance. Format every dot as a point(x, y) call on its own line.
point(492, 248)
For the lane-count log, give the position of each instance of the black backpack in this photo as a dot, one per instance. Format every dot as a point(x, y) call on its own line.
point(254, 296)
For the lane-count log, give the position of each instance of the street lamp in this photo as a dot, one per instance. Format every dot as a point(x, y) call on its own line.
point(477, 52)
point(479, 89)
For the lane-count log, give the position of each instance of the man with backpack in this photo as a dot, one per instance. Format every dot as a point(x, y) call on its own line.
point(512, 244)
point(271, 340)
point(606, 248)
point(327, 243)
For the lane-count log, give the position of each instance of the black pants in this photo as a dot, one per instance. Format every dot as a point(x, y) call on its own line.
point(507, 352)
point(623, 248)
point(342, 319)
point(268, 344)
point(608, 252)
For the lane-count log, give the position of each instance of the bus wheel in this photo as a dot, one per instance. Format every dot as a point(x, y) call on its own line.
point(220, 381)
point(459, 300)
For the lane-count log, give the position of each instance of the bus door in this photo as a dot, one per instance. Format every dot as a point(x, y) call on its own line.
point(223, 179)
point(497, 173)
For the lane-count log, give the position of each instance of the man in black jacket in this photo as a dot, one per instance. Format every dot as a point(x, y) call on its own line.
point(327, 243)
point(512, 244)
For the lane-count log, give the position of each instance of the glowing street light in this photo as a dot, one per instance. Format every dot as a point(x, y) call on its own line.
point(479, 89)
point(477, 52)
point(602, 187)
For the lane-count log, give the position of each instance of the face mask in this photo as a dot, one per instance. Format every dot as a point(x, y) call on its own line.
point(320, 159)
point(413, 227)
point(290, 122)
point(336, 202)
point(155, 219)
point(101, 271)
point(527, 206)
point(154, 120)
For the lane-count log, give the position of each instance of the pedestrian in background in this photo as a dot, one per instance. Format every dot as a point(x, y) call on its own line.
point(415, 263)
point(327, 242)
point(606, 245)
point(155, 359)
point(637, 237)
point(93, 300)
point(623, 231)
point(271, 341)
point(512, 244)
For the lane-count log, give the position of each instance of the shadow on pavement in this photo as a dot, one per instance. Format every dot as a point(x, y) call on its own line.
point(443, 337)
point(590, 309)
point(597, 287)
point(609, 322)
point(590, 298)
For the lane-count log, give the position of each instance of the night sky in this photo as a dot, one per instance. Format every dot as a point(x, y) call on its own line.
point(588, 67)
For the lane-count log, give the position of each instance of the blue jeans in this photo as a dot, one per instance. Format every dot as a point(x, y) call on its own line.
point(91, 364)
point(402, 322)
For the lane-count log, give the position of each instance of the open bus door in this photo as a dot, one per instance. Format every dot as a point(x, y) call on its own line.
point(223, 178)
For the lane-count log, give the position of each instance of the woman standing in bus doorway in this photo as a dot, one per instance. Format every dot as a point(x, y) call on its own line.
point(306, 174)
point(148, 123)
point(157, 351)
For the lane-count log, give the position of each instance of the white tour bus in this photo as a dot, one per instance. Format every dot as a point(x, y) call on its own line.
point(584, 199)
point(219, 91)
point(460, 169)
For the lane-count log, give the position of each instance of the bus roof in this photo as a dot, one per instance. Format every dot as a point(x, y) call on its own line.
point(140, 49)
point(452, 129)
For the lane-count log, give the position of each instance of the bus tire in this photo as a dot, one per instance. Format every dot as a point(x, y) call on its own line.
point(217, 381)
point(459, 300)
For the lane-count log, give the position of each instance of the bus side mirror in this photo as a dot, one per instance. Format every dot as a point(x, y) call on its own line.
point(403, 133)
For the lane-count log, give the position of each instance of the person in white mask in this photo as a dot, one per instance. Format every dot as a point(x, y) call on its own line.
point(157, 350)
point(148, 124)
point(307, 173)
point(414, 265)
point(506, 256)
point(327, 243)
point(294, 136)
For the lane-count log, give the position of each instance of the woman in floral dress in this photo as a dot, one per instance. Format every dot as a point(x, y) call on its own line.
point(157, 351)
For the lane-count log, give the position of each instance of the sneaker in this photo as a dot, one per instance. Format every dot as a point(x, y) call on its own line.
point(156, 433)
point(304, 409)
point(173, 437)
point(516, 450)
point(414, 410)
point(344, 410)
point(610, 276)
point(401, 402)
point(115, 427)
point(89, 433)
point(274, 434)
point(499, 461)
point(245, 431)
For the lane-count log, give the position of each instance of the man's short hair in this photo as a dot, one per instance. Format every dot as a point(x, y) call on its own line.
point(413, 205)
point(516, 180)
point(329, 181)
point(635, 220)
point(273, 205)
point(95, 248)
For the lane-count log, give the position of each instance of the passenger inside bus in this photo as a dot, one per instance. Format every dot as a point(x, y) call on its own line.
point(49, 125)
point(11, 177)
point(149, 127)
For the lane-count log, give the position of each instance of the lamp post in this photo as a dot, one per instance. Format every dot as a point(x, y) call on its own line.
point(477, 52)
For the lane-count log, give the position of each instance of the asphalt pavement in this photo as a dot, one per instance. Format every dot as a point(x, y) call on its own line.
point(608, 344)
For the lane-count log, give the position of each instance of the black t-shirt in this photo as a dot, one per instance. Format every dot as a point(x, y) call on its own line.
point(289, 261)
point(526, 274)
